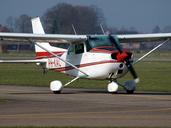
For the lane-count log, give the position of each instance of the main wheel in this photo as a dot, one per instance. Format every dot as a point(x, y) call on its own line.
point(129, 86)
point(57, 92)
point(130, 91)
point(56, 87)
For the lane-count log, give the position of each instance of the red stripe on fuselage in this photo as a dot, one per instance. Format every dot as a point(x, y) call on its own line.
point(84, 65)
point(106, 49)
point(103, 49)
point(40, 55)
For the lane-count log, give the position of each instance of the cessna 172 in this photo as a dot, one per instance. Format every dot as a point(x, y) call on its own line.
point(88, 56)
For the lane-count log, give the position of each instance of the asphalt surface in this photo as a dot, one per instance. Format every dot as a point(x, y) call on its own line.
point(37, 106)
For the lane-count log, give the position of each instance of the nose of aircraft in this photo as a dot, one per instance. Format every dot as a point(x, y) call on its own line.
point(121, 57)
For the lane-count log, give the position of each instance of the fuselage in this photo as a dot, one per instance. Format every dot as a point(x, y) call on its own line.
point(96, 60)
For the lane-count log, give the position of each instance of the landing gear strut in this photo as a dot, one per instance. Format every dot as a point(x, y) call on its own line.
point(56, 86)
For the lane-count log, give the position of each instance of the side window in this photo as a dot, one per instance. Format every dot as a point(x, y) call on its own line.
point(88, 47)
point(71, 49)
point(79, 48)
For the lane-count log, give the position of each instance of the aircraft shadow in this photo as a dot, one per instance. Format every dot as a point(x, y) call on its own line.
point(153, 93)
point(90, 91)
point(118, 93)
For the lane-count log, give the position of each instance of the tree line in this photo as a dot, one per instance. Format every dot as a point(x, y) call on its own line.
point(61, 18)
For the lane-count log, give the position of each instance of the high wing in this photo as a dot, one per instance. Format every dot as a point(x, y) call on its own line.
point(52, 38)
point(129, 38)
point(62, 38)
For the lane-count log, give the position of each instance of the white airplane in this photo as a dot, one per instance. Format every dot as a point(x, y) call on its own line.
point(88, 56)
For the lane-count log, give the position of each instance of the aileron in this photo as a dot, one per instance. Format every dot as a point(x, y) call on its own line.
point(133, 38)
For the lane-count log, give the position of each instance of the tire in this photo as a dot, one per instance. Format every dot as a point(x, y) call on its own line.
point(130, 91)
point(56, 92)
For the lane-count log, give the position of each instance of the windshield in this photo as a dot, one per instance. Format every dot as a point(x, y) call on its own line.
point(94, 42)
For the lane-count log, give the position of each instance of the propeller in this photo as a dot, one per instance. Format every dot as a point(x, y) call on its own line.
point(123, 56)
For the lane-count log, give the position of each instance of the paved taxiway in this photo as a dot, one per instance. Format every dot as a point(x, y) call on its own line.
point(80, 107)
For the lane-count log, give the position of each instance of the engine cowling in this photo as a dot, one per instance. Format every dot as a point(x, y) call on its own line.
point(121, 57)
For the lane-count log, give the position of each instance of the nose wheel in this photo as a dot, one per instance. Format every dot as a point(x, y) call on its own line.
point(113, 87)
point(129, 86)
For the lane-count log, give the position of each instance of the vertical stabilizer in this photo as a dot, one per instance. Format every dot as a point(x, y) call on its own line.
point(40, 53)
point(37, 26)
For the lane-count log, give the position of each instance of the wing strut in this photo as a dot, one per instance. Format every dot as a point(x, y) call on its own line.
point(76, 78)
point(158, 46)
point(59, 57)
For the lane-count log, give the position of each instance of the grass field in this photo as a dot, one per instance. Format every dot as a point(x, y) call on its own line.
point(157, 55)
point(154, 76)
point(71, 127)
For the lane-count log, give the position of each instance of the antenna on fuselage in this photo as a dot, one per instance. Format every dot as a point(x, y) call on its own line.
point(102, 29)
point(74, 29)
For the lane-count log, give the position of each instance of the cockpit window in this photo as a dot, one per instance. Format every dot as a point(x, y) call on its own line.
point(76, 49)
point(79, 48)
point(94, 42)
point(71, 49)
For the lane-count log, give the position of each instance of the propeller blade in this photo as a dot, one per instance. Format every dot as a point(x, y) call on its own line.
point(132, 70)
point(115, 41)
point(129, 65)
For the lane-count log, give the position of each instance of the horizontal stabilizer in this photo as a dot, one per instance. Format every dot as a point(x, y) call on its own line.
point(24, 61)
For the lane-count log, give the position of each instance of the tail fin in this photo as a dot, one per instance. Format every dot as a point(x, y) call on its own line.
point(40, 53)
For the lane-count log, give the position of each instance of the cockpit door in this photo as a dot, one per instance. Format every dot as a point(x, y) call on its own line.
point(76, 53)
point(76, 49)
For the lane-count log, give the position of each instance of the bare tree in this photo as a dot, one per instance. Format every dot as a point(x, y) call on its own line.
point(167, 29)
point(156, 29)
point(10, 23)
point(86, 19)
point(3, 29)
point(2, 45)
point(23, 24)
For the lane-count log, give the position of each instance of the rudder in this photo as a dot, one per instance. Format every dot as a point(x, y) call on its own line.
point(40, 53)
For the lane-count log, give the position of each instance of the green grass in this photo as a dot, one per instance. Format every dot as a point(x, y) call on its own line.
point(71, 127)
point(160, 55)
point(157, 54)
point(30, 74)
point(18, 54)
point(154, 76)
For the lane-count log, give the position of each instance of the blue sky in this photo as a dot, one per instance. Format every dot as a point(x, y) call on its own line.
point(141, 14)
